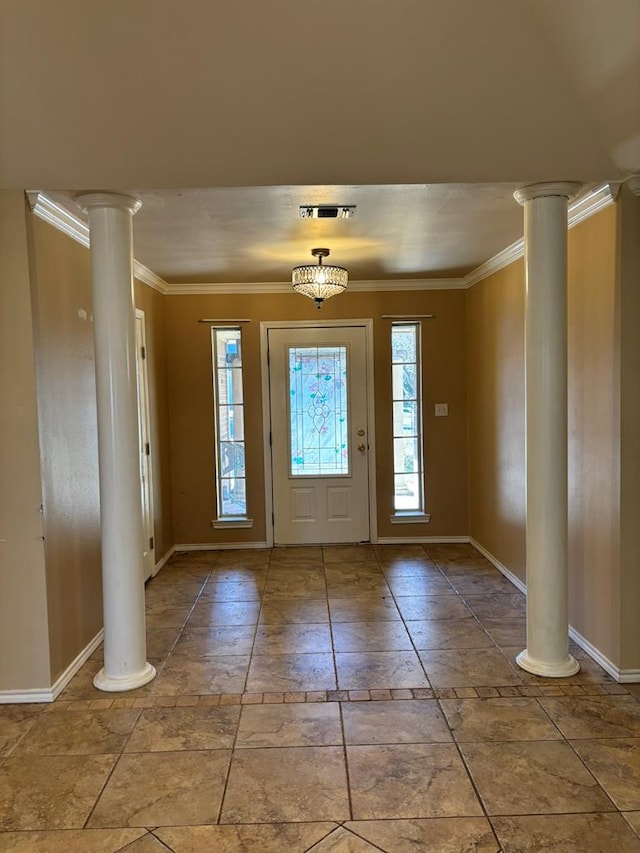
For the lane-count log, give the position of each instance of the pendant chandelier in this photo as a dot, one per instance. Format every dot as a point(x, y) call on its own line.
point(319, 281)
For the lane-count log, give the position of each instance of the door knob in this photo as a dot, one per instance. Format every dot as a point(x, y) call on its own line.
point(360, 431)
point(362, 447)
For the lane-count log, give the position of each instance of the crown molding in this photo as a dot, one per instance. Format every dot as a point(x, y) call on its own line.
point(395, 285)
point(44, 207)
point(50, 211)
point(594, 201)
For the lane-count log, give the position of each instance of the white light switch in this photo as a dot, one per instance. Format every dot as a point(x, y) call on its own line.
point(441, 410)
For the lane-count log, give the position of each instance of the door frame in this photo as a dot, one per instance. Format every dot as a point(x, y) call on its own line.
point(144, 416)
point(265, 325)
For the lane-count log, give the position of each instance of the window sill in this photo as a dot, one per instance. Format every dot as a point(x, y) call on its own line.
point(410, 517)
point(239, 521)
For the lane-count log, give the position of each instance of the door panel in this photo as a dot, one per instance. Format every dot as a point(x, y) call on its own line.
point(144, 435)
point(318, 403)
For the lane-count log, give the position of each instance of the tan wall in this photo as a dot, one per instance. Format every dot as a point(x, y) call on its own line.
point(61, 290)
point(495, 319)
point(191, 404)
point(153, 304)
point(495, 381)
point(24, 642)
point(629, 224)
point(594, 426)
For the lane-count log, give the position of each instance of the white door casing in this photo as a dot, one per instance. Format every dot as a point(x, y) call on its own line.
point(317, 499)
point(144, 435)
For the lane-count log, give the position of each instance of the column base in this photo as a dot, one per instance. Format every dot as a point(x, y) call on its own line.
point(114, 684)
point(549, 670)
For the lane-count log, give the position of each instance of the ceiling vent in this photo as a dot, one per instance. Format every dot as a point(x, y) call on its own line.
point(327, 211)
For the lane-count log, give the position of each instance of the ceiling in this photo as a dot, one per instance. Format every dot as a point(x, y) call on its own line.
point(224, 116)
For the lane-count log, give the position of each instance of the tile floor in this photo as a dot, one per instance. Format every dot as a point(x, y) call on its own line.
point(340, 699)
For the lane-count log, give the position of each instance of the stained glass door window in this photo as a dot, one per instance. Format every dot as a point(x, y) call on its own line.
point(318, 411)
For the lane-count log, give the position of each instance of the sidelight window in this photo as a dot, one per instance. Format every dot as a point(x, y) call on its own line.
point(408, 471)
point(229, 423)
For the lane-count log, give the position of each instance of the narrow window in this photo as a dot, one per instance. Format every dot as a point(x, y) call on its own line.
point(408, 475)
point(229, 421)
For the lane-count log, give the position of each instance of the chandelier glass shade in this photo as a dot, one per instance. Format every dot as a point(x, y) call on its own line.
point(319, 281)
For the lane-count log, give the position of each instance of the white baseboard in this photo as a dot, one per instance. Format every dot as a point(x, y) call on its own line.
point(161, 562)
point(421, 540)
point(220, 546)
point(509, 575)
point(622, 676)
point(48, 694)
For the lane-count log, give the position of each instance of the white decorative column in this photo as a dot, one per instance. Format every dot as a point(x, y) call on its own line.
point(545, 236)
point(111, 235)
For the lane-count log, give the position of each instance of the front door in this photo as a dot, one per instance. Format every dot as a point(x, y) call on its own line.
point(319, 434)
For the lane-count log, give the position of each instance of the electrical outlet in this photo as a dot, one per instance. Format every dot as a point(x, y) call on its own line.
point(441, 410)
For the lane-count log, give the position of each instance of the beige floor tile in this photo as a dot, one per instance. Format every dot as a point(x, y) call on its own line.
point(483, 583)
point(370, 636)
point(386, 553)
point(421, 607)
point(275, 785)
point(194, 676)
point(537, 777)
point(244, 558)
point(215, 640)
point(507, 632)
point(174, 595)
point(374, 609)
point(224, 613)
point(348, 553)
point(183, 571)
point(189, 728)
point(358, 586)
point(409, 781)
point(272, 673)
point(633, 819)
point(294, 556)
point(79, 733)
point(292, 639)
point(163, 789)
point(147, 844)
point(310, 724)
point(341, 840)
point(70, 841)
point(341, 571)
point(247, 590)
point(571, 833)
point(497, 605)
point(418, 586)
point(616, 765)
point(166, 616)
point(448, 634)
point(15, 722)
point(435, 835)
point(295, 582)
point(468, 668)
point(498, 720)
point(230, 574)
point(292, 611)
point(371, 670)
point(394, 722)
point(445, 552)
point(160, 641)
point(418, 567)
point(261, 838)
point(43, 792)
point(594, 716)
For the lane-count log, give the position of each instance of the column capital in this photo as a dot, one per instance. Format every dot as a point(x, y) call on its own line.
point(568, 189)
point(115, 201)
